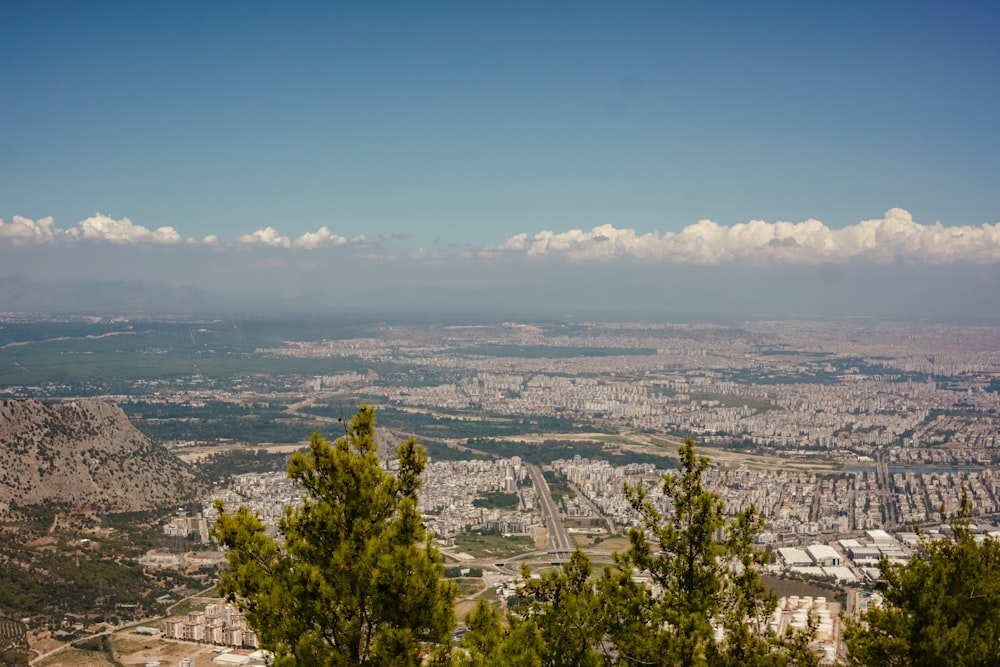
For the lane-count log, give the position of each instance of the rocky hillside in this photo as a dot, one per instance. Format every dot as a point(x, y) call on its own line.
point(85, 452)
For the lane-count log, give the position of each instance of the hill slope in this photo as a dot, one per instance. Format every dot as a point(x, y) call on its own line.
point(85, 452)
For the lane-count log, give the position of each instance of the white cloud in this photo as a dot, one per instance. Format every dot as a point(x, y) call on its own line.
point(518, 242)
point(266, 237)
point(893, 237)
point(104, 228)
point(318, 239)
point(22, 231)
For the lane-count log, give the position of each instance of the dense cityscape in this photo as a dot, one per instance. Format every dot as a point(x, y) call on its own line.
point(847, 436)
point(845, 448)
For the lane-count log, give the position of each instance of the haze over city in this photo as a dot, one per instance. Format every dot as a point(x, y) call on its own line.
point(777, 159)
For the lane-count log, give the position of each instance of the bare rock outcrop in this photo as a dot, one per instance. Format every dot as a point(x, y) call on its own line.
point(85, 452)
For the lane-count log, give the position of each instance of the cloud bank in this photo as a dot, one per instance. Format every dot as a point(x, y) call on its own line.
point(891, 238)
point(22, 231)
point(894, 237)
point(269, 237)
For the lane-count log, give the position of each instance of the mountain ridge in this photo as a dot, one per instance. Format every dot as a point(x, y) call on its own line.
point(85, 453)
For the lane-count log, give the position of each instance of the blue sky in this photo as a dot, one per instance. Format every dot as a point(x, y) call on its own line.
point(419, 132)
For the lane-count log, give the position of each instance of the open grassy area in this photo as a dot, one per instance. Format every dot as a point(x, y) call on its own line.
point(468, 586)
point(194, 604)
point(492, 545)
point(612, 543)
point(73, 657)
point(728, 401)
point(617, 440)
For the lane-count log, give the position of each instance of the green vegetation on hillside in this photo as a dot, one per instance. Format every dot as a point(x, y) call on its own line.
point(82, 569)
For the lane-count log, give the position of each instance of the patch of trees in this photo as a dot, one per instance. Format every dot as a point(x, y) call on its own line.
point(215, 420)
point(13, 658)
point(439, 451)
point(497, 500)
point(222, 465)
point(52, 583)
point(455, 572)
point(36, 519)
point(136, 532)
point(62, 575)
point(459, 427)
point(558, 486)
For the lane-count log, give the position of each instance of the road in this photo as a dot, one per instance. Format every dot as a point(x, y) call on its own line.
point(884, 481)
point(560, 543)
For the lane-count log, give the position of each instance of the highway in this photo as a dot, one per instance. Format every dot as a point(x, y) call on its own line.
point(560, 543)
point(884, 481)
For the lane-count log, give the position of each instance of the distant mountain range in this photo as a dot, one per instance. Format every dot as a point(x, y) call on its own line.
point(86, 452)
point(694, 292)
point(21, 295)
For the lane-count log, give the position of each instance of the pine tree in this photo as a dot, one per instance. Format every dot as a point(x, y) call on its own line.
point(706, 604)
point(570, 615)
point(941, 608)
point(357, 580)
point(487, 643)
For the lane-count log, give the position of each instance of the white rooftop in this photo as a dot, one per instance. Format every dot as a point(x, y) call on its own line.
point(820, 552)
point(840, 573)
point(878, 536)
point(792, 556)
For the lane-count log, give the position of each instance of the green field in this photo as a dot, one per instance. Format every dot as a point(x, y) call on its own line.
point(488, 545)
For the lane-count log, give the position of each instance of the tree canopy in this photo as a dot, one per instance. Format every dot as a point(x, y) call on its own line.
point(356, 580)
point(940, 608)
